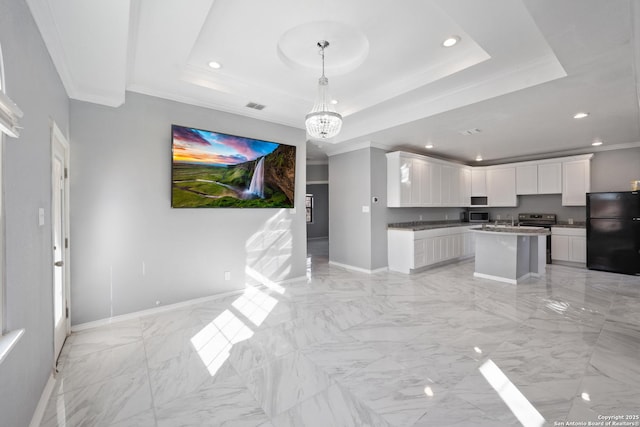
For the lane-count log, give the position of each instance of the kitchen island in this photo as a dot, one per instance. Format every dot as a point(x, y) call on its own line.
point(510, 254)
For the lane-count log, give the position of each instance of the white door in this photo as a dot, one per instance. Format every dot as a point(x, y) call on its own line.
point(59, 219)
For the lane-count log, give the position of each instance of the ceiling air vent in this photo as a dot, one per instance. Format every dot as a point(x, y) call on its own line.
point(255, 106)
point(470, 131)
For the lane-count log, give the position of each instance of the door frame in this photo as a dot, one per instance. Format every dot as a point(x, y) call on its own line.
point(57, 137)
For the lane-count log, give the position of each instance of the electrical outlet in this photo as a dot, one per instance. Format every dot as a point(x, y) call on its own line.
point(227, 275)
point(498, 217)
point(420, 217)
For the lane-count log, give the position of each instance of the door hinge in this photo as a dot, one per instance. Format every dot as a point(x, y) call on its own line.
point(67, 311)
point(66, 243)
point(66, 173)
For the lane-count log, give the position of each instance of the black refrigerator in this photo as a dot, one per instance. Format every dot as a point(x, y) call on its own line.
point(613, 232)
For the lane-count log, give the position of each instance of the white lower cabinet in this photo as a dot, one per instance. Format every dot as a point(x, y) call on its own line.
point(569, 244)
point(410, 250)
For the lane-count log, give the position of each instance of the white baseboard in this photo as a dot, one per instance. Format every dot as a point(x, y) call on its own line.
point(496, 278)
point(38, 414)
point(361, 270)
point(164, 308)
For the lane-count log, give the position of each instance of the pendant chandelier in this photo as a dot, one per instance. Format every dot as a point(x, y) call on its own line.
point(323, 122)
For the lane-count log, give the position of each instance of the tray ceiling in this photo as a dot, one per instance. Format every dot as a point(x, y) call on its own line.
point(519, 73)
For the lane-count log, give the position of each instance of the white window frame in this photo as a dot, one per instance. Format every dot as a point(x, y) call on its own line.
point(8, 339)
point(3, 321)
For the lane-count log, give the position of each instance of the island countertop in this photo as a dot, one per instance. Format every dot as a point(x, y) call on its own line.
point(425, 225)
point(517, 230)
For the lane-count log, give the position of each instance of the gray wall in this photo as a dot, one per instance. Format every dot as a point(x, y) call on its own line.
point(379, 210)
point(317, 173)
point(614, 170)
point(130, 248)
point(540, 203)
point(320, 226)
point(32, 82)
point(349, 191)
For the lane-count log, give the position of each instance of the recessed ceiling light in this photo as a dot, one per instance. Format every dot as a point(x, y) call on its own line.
point(478, 158)
point(580, 115)
point(451, 41)
point(334, 101)
point(429, 146)
point(215, 65)
point(596, 143)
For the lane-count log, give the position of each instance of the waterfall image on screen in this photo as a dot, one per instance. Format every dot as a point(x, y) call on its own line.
point(212, 169)
point(256, 187)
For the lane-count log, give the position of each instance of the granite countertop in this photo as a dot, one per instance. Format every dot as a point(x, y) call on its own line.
point(426, 225)
point(507, 229)
point(431, 225)
point(576, 224)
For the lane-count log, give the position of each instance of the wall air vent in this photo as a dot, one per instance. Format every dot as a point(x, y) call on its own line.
point(470, 131)
point(255, 106)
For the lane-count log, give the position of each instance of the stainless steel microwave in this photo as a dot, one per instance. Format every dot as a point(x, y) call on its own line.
point(478, 216)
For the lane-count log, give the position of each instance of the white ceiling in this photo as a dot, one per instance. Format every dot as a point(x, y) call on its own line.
point(519, 74)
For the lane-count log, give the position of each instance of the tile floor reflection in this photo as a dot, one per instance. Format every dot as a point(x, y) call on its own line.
point(342, 348)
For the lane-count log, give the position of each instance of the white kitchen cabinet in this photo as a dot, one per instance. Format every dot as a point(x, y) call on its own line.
point(569, 244)
point(465, 186)
point(478, 182)
point(410, 250)
point(576, 184)
point(447, 185)
point(527, 179)
point(407, 184)
point(398, 179)
point(434, 197)
point(501, 186)
point(419, 181)
point(550, 178)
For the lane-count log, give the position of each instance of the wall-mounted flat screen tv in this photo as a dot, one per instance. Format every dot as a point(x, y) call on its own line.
point(216, 170)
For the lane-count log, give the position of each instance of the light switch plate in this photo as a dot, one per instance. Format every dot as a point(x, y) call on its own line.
point(40, 217)
point(365, 209)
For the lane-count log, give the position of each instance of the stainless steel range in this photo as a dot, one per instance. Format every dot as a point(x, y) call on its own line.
point(539, 220)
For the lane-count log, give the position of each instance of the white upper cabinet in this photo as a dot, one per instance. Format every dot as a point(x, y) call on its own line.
point(501, 186)
point(527, 179)
point(447, 185)
point(542, 177)
point(465, 186)
point(478, 182)
point(398, 180)
point(550, 178)
point(419, 181)
point(576, 181)
point(435, 184)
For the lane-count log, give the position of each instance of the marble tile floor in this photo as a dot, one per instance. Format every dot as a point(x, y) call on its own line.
point(342, 348)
